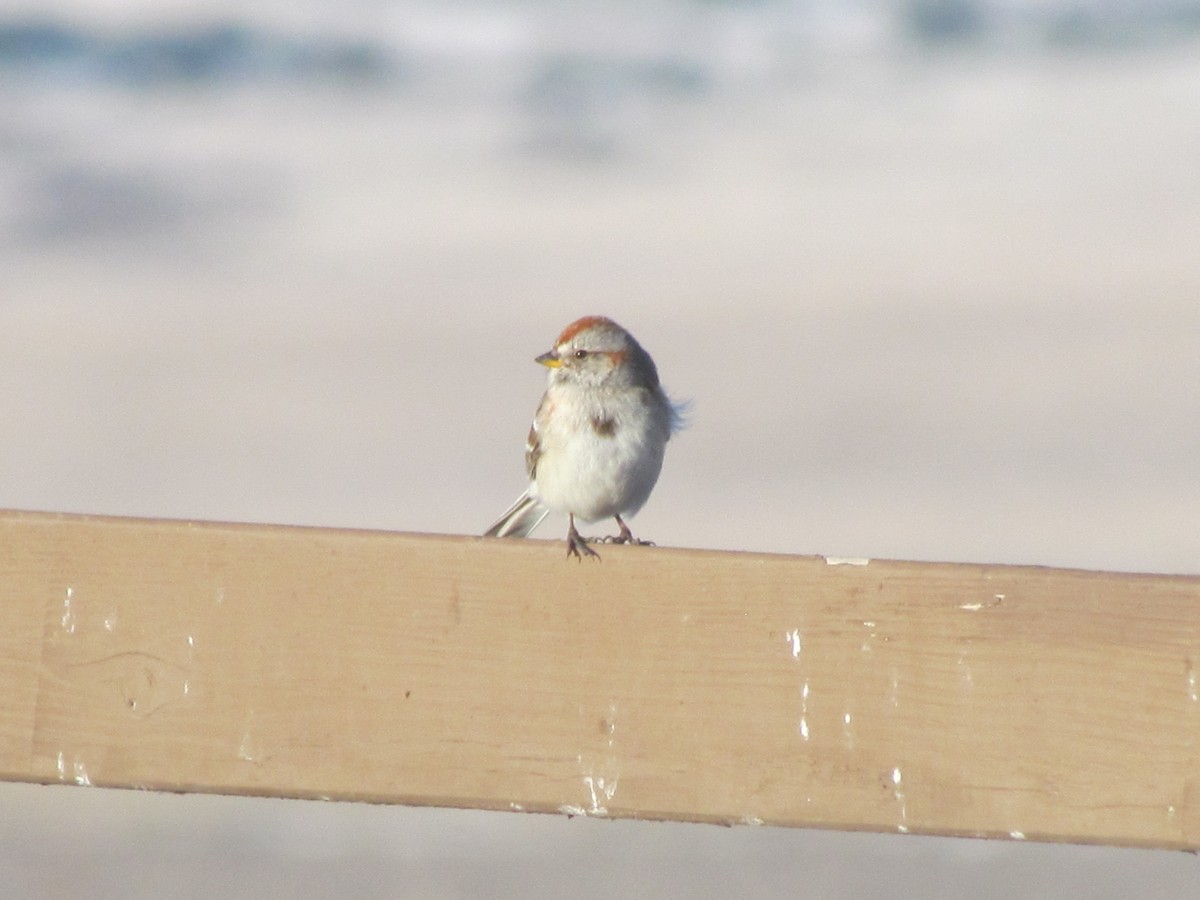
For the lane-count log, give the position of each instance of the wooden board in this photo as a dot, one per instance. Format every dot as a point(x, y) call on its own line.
point(669, 684)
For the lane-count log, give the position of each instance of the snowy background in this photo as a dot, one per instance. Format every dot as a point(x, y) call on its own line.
point(928, 272)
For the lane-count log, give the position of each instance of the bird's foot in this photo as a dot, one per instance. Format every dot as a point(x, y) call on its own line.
point(625, 537)
point(577, 545)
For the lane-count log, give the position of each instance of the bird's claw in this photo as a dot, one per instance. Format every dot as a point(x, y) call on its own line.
point(625, 539)
point(577, 546)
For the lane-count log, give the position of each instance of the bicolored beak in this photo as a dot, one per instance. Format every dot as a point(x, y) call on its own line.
point(550, 360)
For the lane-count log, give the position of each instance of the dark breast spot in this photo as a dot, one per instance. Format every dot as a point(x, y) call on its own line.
point(604, 427)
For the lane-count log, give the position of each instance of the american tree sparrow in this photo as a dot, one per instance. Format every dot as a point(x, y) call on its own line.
point(596, 444)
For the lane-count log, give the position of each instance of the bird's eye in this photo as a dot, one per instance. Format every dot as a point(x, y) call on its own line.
point(581, 354)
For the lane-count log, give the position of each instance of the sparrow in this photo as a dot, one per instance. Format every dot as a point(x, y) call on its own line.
point(596, 445)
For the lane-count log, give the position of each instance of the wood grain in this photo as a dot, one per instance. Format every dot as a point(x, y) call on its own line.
point(670, 684)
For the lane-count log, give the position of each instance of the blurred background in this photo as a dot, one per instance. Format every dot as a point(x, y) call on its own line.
point(928, 272)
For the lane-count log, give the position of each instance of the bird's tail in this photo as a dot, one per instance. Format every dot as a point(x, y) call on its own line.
point(520, 519)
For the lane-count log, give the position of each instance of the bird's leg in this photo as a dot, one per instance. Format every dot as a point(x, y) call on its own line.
point(576, 545)
point(626, 536)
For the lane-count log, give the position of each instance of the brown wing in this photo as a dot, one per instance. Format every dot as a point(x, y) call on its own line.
point(533, 452)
